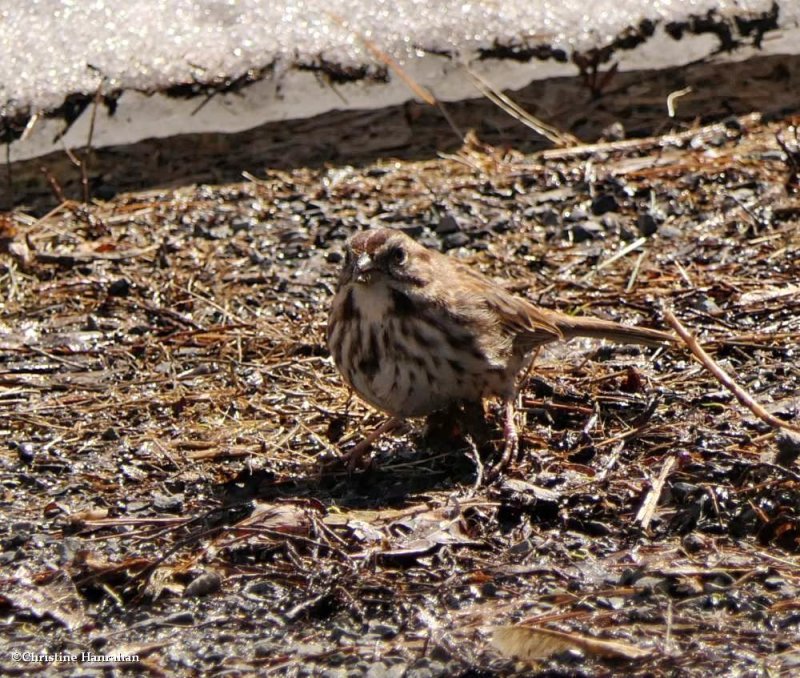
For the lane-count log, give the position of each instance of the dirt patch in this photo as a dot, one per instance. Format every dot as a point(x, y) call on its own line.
point(171, 420)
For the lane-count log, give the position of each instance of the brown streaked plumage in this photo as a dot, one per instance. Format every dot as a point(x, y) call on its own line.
point(414, 331)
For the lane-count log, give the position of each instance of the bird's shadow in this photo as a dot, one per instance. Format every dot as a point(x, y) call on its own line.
point(451, 452)
point(402, 470)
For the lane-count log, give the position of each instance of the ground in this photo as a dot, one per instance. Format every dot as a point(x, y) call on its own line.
point(172, 425)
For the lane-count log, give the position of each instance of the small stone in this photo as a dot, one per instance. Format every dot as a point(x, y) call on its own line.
point(397, 670)
point(788, 445)
point(774, 583)
point(242, 224)
point(614, 132)
point(334, 673)
point(549, 217)
point(448, 224)
point(26, 452)
point(377, 670)
point(692, 543)
point(180, 619)
point(454, 240)
point(669, 232)
point(119, 288)
point(110, 434)
point(263, 650)
point(586, 230)
point(647, 224)
point(309, 649)
point(604, 203)
point(775, 155)
point(202, 585)
point(707, 305)
point(650, 583)
point(170, 503)
point(576, 215)
point(383, 630)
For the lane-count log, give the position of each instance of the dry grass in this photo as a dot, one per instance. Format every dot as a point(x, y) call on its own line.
point(168, 400)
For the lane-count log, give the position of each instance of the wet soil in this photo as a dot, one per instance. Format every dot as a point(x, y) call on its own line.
point(171, 424)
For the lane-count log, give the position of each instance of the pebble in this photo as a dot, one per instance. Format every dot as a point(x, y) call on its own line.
point(335, 672)
point(383, 630)
point(586, 230)
point(454, 240)
point(447, 224)
point(119, 288)
point(110, 434)
point(397, 670)
point(26, 452)
point(378, 670)
point(168, 503)
point(647, 224)
point(788, 445)
point(202, 585)
point(693, 543)
point(549, 217)
point(180, 619)
point(604, 203)
point(309, 649)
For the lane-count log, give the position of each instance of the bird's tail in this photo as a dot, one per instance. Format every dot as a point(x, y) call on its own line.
point(595, 328)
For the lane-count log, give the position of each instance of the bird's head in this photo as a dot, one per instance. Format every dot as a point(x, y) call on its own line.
point(385, 256)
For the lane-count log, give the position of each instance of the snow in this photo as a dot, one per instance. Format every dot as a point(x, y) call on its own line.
point(52, 48)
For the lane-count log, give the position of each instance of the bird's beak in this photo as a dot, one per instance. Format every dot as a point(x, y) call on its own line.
point(364, 267)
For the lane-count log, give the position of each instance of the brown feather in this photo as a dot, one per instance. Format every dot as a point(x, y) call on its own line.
point(413, 330)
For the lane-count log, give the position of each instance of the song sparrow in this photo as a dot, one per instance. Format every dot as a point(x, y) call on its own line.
point(414, 331)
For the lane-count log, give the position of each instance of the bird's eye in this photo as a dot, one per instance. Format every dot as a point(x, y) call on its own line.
point(399, 256)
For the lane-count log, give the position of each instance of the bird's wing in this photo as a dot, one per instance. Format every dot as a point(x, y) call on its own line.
point(517, 316)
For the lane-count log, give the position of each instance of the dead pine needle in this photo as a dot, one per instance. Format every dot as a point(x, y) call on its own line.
point(552, 134)
point(391, 63)
point(723, 377)
point(648, 509)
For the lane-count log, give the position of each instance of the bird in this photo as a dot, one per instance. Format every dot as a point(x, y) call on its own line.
point(414, 331)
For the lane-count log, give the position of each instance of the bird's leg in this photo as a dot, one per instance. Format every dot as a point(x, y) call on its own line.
point(511, 438)
point(354, 456)
point(510, 435)
point(529, 368)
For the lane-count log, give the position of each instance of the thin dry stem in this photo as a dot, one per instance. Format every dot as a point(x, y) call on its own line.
point(723, 377)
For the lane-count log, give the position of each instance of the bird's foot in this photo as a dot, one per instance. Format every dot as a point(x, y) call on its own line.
point(511, 444)
point(355, 455)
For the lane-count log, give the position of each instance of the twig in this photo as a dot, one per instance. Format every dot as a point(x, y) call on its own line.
point(476, 457)
point(723, 377)
point(87, 256)
point(88, 150)
point(636, 244)
point(668, 639)
point(513, 109)
point(635, 272)
point(648, 508)
point(644, 143)
point(54, 185)
point(9, 176)
point(401, 73)
point(673, 97)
